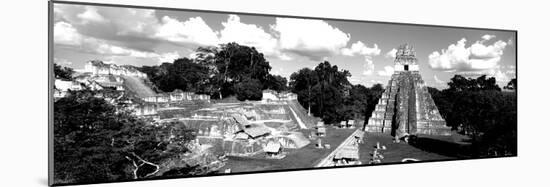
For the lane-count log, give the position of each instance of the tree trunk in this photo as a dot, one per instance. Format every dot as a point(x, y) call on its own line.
point(137, 166)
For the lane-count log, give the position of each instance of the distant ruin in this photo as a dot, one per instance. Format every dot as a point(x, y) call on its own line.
point(97, 67)
point(406, 107)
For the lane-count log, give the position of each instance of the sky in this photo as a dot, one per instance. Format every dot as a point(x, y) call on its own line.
point(367, 50)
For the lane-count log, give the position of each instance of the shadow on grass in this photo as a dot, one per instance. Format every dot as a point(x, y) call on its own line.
point(442, 147)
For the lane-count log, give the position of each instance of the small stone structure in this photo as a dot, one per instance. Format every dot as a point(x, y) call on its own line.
point(406, 107)
point(176, 96)
point(274, 96)
point(96, 67)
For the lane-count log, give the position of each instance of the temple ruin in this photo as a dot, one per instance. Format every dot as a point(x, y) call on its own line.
point(406, 107)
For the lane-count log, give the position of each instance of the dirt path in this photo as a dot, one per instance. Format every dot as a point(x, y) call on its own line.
point(327, 161)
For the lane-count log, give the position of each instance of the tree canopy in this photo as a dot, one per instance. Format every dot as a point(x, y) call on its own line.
point(460, 83)
point(96, 141)
point(327, 92)
point(479, 109)
point(183, 74)
point(64, 73)
point(220, 72)
point(512, 85)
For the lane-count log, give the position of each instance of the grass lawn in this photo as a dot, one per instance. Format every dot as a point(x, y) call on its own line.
point(305, 157)
point(426, 148)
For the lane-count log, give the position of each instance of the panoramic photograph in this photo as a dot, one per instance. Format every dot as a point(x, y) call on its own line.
point(150, 93)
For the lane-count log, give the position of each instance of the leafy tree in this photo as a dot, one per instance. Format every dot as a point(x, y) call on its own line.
point(64, 73)
point(97, 141)
point(512, 85)
point(355, 106)
point(232, 63)
point(322, 90)
point(479, 109)
point(249, 89)
point(301, 83)
point(276, 82)
point(183, 74)
point(460, 83)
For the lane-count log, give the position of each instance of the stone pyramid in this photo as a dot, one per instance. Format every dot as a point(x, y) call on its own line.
point(406, 107)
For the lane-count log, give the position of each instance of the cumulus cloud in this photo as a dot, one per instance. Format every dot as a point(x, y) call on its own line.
point(438, 81)
point(66, 34)
point(138, 29)
point(314, 39)
point(502, 74)
point(482, 51)
point(251, 35)
point(192, 31)
point(459, 58)
point(488, 37)
point(368, 67)
point(169, 57)
point(391, 54)
point(359, 48)
point(91, 15)
point(62, 61)
point(388, 71)
point(139, 33)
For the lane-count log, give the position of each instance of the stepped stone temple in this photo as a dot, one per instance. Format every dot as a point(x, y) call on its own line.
point(406, 107)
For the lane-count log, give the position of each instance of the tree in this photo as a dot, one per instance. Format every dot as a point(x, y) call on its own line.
point(301, 83)
point(233, 63)
point(355, 106)
point(276, 82)
point(248, 89)
point(64, 73)
point(96, 141)
point(512, 85)
point(322, 90)
point(486, 114)
point(183, 74)
point(460, 83)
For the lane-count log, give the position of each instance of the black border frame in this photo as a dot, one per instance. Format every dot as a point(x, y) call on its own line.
point(51, 79)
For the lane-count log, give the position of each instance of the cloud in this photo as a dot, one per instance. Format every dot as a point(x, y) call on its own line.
point(314, 39)
point(502, 74)
point(459, 58)
point(138, 29)
point(388, 71)
point(391, 54)
point(91, 15)
point(359, 48)
point(488, 37)
point(482, 51)
point(141, 32)
point(193, 31)
point(169, 57)
point(66, 34)
point(62, 61)
point(438, 81)
point(251, 35)
point(368, 68)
